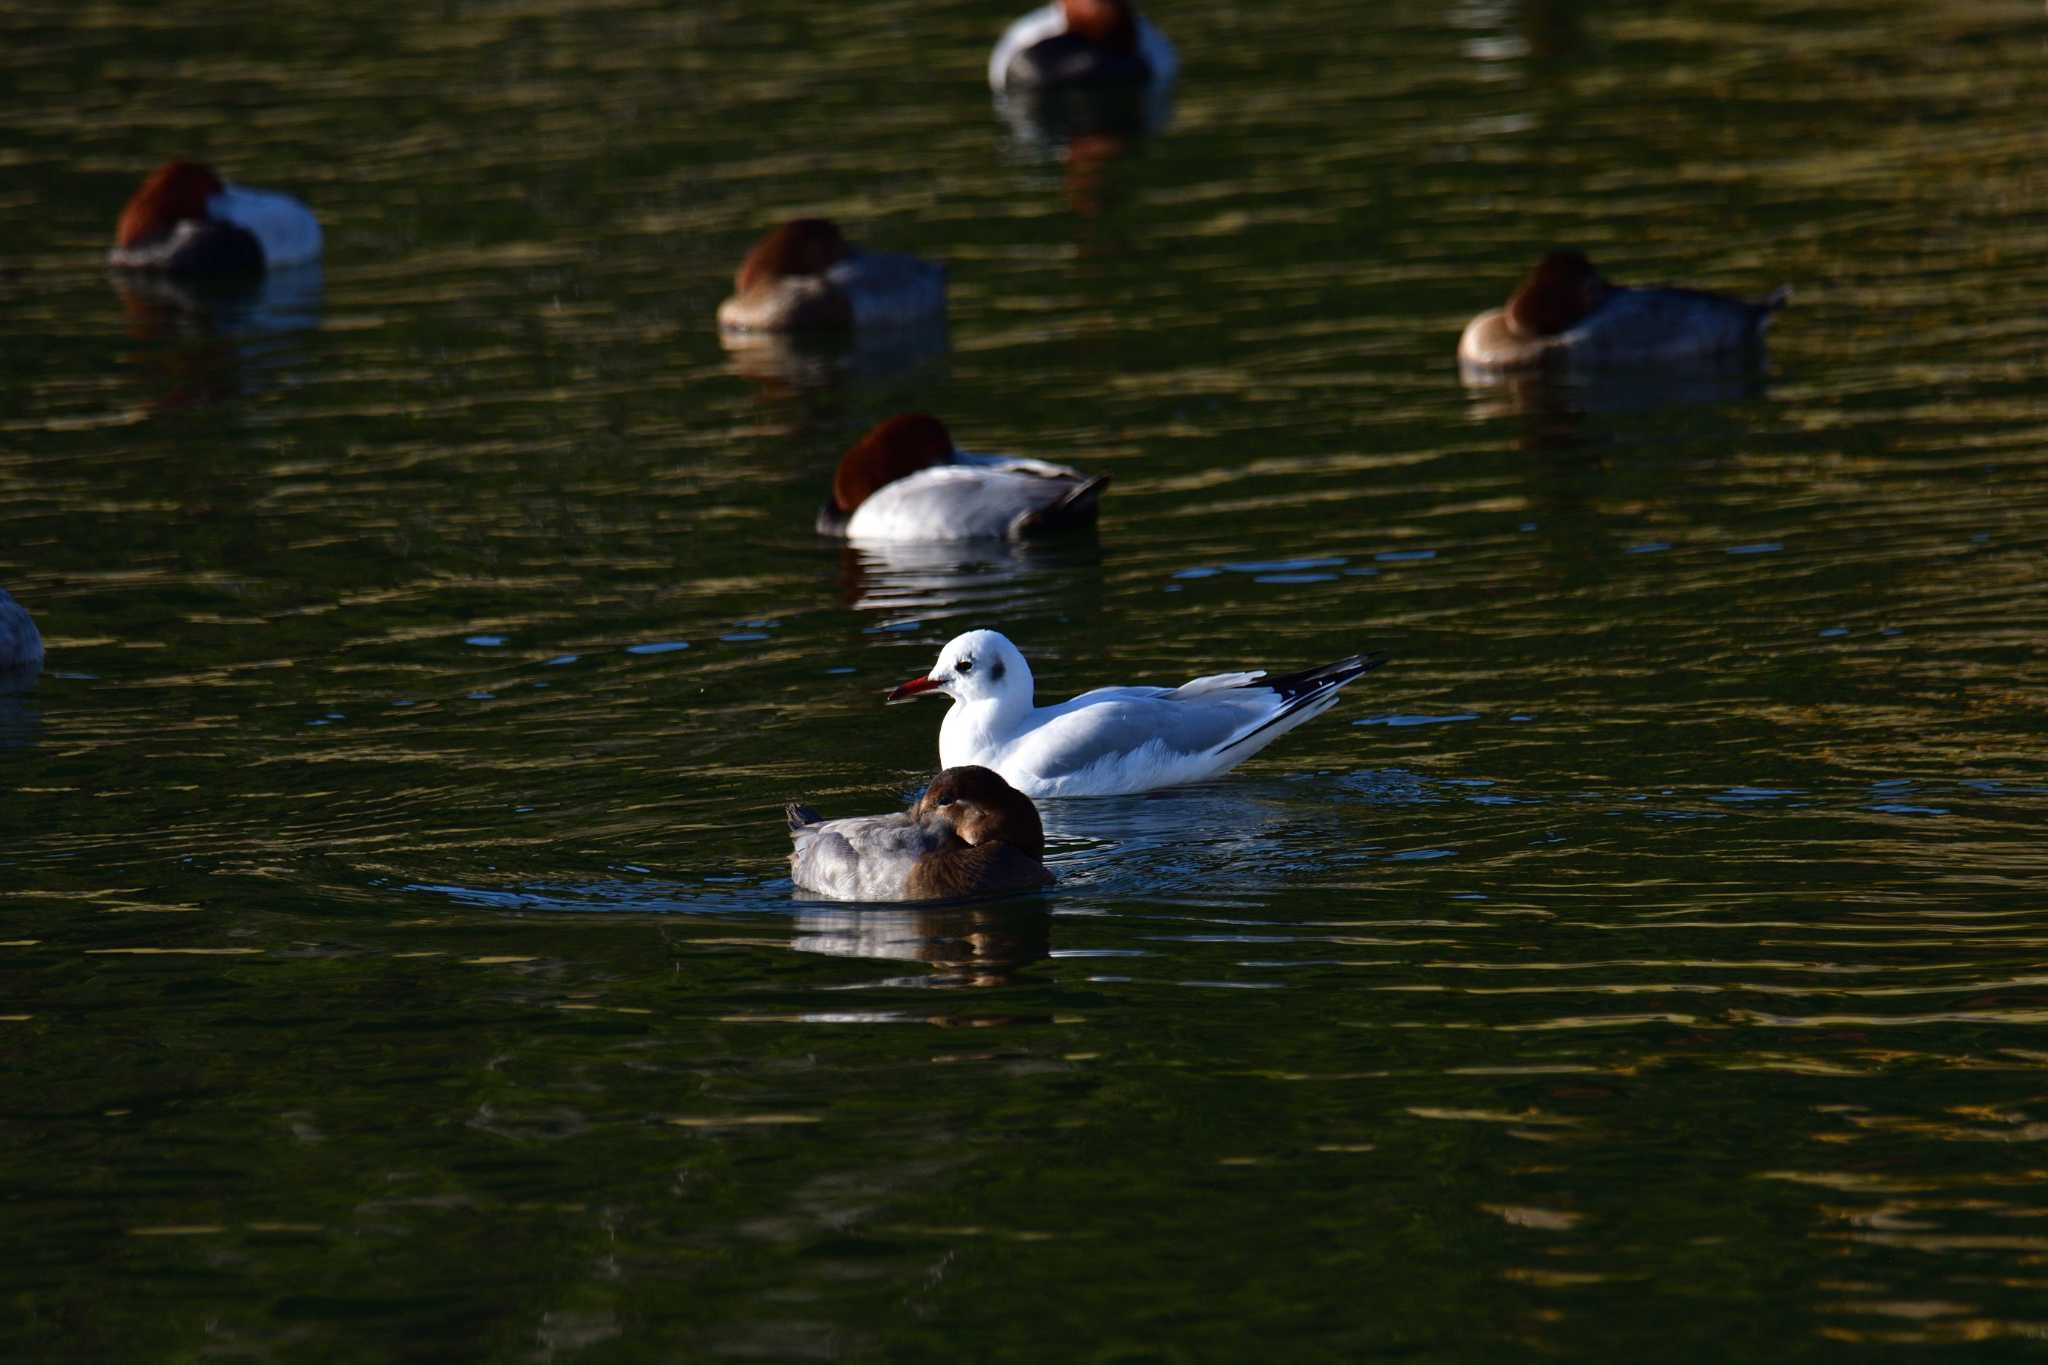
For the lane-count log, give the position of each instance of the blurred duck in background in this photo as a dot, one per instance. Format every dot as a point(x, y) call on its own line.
point(213, 277)
point(905, 481)
point(1079, 43)
point(21, 645)
point(1565, 314)
point(805, 276)
point(1080, 82)
point(186, 220)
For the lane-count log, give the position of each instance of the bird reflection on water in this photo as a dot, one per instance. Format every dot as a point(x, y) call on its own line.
point(968, 945)
point(1554, 407)
point(20, 721)
point(796, 361)
point(989, 579)
point(211, 340)
point(1088, 131)
point(1045, 122)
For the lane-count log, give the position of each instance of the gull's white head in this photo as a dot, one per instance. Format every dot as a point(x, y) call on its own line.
point(978, 666)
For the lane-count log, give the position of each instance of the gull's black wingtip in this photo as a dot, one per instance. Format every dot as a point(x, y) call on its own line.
point(800, 816)
point(1347, 669)
point(1312, 681)
point(1315, 687)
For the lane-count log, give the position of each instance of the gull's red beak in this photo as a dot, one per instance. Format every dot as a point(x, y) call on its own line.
point(913, 689)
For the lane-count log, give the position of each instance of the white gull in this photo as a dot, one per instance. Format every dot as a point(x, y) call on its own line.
point(1114, 741)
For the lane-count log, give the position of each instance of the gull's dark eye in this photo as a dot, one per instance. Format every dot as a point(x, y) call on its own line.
point(946, 800)
point(964, 666)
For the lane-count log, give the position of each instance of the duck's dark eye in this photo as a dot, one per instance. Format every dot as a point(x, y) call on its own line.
point(948, 799)
point(964, 666)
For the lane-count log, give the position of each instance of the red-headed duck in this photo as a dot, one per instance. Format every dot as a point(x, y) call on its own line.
point(1081, 42)
point(185, 219)
point(1114, 741)
point(805, 276)
point(21, 644)
point(906, 481)
point(1565, 313)
point(970, 834)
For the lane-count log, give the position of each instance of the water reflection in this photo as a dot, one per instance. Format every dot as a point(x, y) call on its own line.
point(214, 339)
point(1088, 130)
point(1536, 33)
point(1046, 122)
point(1554, 31)
point(977, 945)
point(800, 360)
point(1553, 407)
point(933, 580)
point(1494, 394)
point(274, 304)
point(20, 720)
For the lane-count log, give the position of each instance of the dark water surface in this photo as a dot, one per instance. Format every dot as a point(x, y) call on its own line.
point(1651, 962)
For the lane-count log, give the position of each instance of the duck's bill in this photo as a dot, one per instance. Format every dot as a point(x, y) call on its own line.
point(912, 690)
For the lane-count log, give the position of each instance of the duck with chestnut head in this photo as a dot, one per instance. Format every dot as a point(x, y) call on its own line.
point(906, 481)
point(970, 835)
point(1566, 314)
point(186, 220)
point(804, 276)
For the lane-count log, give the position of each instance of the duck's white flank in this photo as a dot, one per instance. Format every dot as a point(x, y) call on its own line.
point(21, 644)
point(1035, 27)
point(977, 497)
point(865, 857)
point(287, 229)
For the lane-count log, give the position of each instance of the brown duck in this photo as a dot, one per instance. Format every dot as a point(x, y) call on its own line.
point(970, 835)
point(806, 277)
point(1566, 313)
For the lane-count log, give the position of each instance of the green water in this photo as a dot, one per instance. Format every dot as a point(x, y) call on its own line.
point(396, 960)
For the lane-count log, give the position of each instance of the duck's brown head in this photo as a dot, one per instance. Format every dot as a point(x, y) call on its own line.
point(984, 809)
point(1561, 292)
point(1111, 24)
point(174, 192)
point(898, 447)
point(802, 246)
